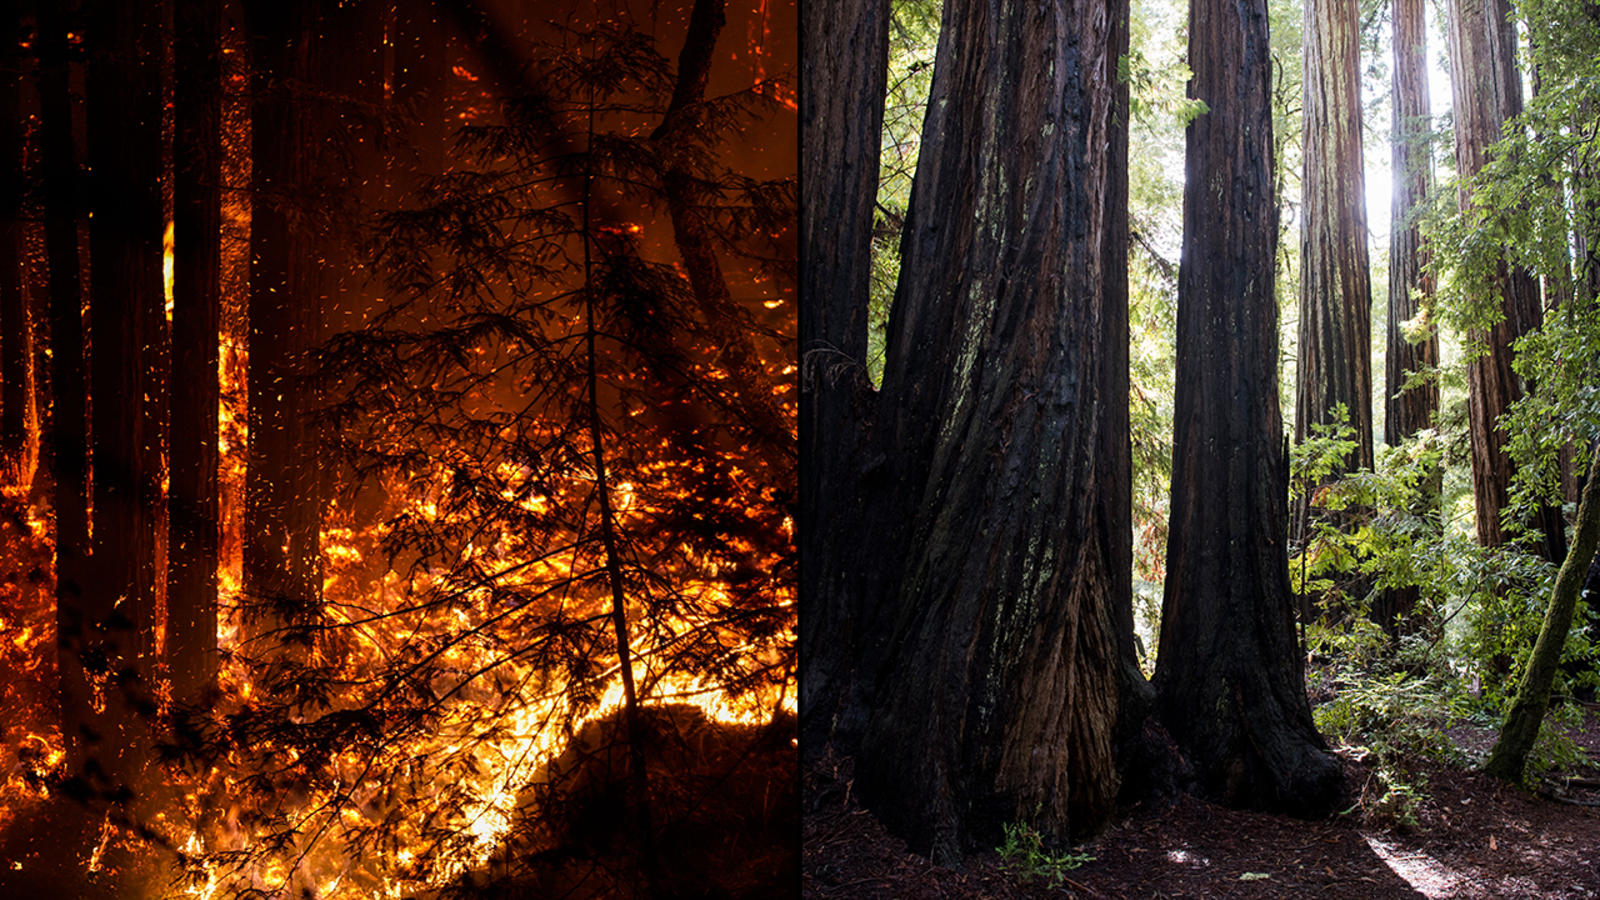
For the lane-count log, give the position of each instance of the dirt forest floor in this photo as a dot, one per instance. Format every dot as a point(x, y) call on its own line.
point(1475, 839)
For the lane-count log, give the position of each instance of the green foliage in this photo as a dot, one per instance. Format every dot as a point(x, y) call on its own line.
point(1024, 855)
point(913, 40)
point(1390, 706)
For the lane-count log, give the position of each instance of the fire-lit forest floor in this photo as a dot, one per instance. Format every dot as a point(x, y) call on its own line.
point(1474, 839)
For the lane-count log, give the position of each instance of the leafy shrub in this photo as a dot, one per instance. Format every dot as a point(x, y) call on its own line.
point(1024, 855)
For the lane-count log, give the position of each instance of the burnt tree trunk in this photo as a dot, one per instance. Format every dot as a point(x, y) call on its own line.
point(15, 343)
point(1409, 410)
point(688, 198)
point(839, 179)
point(997, 508)
point(283, 508)
point(1335, 289)
point(1487, 91)
point(196, 304)
point(1229, 682)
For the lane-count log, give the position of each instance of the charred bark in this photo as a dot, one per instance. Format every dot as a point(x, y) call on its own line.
point(1229, 683)
point(998, 521)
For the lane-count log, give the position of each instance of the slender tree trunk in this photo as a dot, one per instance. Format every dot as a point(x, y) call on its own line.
point(15, 331)
point(1409, 410)
point(1228, 643)
point(56, 845)
point(196, 300)
point(283, 509)
point(1487, 92)
point(998, 516)
point(840, 134)
point(1509, 758)
point(1335, 289)
point(729, 323)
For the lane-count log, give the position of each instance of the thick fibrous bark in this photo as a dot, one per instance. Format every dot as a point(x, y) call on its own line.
point(1229, 683)
point(999, 517)
point(1487, 91)
point(196, 302)
point(1509, 757)
point(1409, 410)
point(1335, 291)
point(1410, 282)
point(840, 129)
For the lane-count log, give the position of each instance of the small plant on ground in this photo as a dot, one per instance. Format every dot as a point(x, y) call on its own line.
point(1024, 855)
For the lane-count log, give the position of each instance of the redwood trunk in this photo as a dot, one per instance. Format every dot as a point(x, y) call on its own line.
point(1409, 410)
point(840, 132)
point(1335, 290)
point(999, 514)
point(1229, 681)
point(282, 560)
point(1487, 91)
point(15, 343)
point(196, 300)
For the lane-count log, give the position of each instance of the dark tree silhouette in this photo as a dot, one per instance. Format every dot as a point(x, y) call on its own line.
point(988, 518)
point(193, 540)
point(1229, 681)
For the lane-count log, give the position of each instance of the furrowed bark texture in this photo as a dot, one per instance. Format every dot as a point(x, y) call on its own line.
point(1003, 520)
point(1335, 291)
point(1509, 757)
point(1228, 681)
point(1410, 284)
point(1487, 91)
point(847, 43)
point(1408, 411)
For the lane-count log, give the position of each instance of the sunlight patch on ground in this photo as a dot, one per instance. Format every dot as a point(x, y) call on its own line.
point(1184, 857)
point(1428, 876)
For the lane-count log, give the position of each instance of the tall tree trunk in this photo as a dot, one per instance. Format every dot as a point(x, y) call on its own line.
point(998, 522)
point(1335, 288)
point(1229, 682)
point(283, 510)
point(15, 332)
point(1487, 91)
point(196, 303)
point(729, 323)
point(1408, 411)
point(57, 843)
point(123, 99)
point(841, 130)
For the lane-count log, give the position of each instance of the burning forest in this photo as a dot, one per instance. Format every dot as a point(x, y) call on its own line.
point(397, 459)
